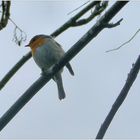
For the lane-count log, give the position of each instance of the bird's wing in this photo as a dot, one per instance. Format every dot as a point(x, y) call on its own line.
point(70, 68)
point(68, 64)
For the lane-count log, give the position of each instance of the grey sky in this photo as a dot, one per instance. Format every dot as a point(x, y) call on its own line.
point(98, 79)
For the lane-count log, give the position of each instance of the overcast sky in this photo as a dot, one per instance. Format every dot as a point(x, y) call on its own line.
point(98, 79)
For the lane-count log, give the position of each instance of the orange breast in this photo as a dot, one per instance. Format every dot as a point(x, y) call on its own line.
point(37, 43)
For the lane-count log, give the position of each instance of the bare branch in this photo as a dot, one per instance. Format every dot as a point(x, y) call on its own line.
point(125, 42)
point(124, 92)
point(5, 13)
point(112, 25)
point(99, 8)
point(72, 21)
point(14, 70)
point(75, 49)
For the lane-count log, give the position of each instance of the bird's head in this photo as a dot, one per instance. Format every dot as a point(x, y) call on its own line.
point(37, 41)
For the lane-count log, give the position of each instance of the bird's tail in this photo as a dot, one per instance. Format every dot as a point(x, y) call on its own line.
point(58, 80)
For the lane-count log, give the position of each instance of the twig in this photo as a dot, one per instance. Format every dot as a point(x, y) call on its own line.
point(125, 42)
point(124, 92)
point(19, 35)
point(75, 49)
point(112, 25)
point(78, 7)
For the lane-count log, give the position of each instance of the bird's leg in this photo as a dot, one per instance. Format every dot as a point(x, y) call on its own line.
point(43, 73)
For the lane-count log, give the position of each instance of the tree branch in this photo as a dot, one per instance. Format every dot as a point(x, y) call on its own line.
point(130, 80)
point(75, 49)
point(19, 34)
point(14, 70)
point(125, 42)
point(64, 27)
point(5, 14)
point(70, 22)
point(99, 8)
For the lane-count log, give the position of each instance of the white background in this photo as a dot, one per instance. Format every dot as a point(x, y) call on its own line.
point(99, 76)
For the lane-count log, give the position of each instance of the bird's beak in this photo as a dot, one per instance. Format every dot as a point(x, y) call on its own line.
point(27, 45)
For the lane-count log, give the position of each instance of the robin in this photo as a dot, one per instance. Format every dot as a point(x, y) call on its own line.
point(47, 52)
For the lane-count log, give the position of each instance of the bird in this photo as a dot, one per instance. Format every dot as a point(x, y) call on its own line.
point(46, 52)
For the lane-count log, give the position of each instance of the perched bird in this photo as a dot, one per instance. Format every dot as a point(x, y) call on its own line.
point(47, 52)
